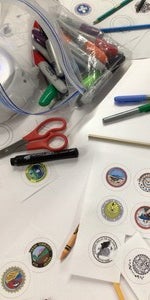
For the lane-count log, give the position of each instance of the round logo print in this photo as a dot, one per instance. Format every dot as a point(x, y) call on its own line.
point(141, 264)
point(41, 254)
point(104, 249)
point(36, 172)
point(13, 279)
point(142, 217)
point(83, 9)
point(144, 182)
point(112, 210)
point(137, 266)
point(116, 177)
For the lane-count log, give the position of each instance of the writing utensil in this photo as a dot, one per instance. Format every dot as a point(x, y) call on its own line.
point(118, 291)
point(69, 244)
point(54, 59)
point(111, 11)
point(22, 160)
point(126, 28)
point(85, 44)
point(123, 115)
point(47, 70)
point(140, 5)
point(48, 95)
point(127, 99)
point(118, 140)
point(91, 61)
point(109, 48)
point(81, 26)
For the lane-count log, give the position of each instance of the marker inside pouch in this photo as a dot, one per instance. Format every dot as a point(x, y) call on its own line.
point(49, 94)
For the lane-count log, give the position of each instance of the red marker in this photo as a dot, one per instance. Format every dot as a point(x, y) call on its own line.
point(85, 44)
point(47, 70)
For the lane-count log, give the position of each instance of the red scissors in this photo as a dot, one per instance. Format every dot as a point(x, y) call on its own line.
point(35, 140)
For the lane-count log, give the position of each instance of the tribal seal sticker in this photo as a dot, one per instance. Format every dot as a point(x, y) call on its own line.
point(142, 217)
point(144, 182)
point(112, 210)
point(103, 249)
point(36, 172)
point(83, 9)
point(13, 279)
point(115, 177)
point(41, 254)
point(137, 266)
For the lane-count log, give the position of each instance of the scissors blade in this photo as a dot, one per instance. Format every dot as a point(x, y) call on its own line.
point(12, 148)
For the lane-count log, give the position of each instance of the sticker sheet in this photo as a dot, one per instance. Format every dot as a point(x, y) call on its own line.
point(134, 263)
point(116, 204)
point(136, 41)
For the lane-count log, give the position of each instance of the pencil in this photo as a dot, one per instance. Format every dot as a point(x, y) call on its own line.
point(111, 11)
point(118, 140)
point(118, 291)
point(69, 244)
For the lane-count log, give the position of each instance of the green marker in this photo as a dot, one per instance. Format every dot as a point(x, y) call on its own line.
point(49, 94)
point(90, 79)
point(140, 109)
point(111, 11)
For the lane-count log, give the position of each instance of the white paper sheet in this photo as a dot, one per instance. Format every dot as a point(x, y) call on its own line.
point(134, 263)
point(134, 82)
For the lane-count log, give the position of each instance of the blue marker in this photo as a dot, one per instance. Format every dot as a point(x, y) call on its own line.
point(134, 99)
point(125, 28)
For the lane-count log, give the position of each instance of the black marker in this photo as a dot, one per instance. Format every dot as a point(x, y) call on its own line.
point(140, 5)
point(22, 160)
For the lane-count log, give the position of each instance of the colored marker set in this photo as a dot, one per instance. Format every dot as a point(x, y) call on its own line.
point(70, 62)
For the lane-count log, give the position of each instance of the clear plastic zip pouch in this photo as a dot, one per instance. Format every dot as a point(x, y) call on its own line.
point(49, 58)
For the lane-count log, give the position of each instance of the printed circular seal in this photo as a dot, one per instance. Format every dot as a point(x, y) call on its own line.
point(137, 266)
point(140, 217)
point(83, 9)
point(116, 177)
point(15, 279)
point(111, 210)
point(41, 254)
point(142, 182)
point(36, 172)
point(103, 249)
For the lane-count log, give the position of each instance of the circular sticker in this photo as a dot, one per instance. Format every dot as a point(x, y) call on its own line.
point(112, 210)
point(103, 249)
point(13, 279)
point(83, 9)
point(116, 177)
point(142, 217)
point(41, 254)
point(144, 182)
point(36, 172)
point(137, 266)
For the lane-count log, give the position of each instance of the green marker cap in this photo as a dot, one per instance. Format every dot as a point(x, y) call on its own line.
point(144, 108)
point(49, 94)
point(90, 79)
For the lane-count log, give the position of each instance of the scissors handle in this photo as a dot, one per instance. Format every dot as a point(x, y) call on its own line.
point(46, 143)
point(35, 135)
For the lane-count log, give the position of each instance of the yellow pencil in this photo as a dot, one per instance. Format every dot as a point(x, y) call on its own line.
point(118, 291)
point(69, 244)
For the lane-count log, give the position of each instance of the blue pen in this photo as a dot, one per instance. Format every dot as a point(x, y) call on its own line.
point(125, 28)
point(131, 99)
